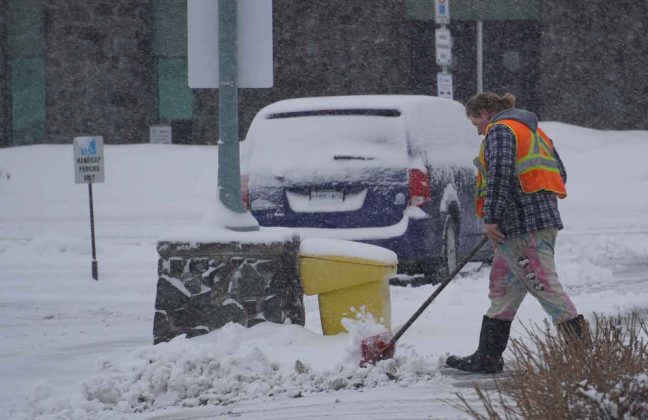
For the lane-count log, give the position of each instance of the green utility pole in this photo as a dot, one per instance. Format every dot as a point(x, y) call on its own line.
point(229, 170)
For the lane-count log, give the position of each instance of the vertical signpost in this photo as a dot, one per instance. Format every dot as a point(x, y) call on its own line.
point(229, 171)
point(480, 56)
point(443, 48)
point(89, 169)
point(230, 46)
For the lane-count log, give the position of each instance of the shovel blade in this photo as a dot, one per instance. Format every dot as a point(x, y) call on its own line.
point(376, 348)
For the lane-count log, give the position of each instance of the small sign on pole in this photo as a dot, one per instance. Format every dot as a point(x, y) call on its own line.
point(442, 12)
point(444, 85)
point(88, 159)
point(89, 168)
point(443, 46)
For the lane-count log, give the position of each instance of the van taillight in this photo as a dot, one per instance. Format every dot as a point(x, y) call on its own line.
point(245, 192)
point(419, 187)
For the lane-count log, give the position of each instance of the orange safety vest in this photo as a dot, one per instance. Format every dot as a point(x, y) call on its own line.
point(535, 164)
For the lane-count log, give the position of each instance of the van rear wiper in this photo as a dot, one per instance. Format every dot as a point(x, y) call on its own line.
point(350, 157)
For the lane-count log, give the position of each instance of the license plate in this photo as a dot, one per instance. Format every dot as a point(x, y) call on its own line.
point(326, 195)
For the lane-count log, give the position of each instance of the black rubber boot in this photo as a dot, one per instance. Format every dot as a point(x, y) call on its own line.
point(575, 330)
point(493, 339)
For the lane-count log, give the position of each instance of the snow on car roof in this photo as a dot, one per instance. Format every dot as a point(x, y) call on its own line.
point(438, 125)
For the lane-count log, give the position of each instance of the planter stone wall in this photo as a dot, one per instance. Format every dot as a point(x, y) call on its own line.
point(203, 286)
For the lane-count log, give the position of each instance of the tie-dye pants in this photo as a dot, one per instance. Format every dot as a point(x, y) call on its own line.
point(526, 264)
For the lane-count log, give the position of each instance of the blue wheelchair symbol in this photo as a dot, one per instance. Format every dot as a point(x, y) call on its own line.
point(89, 147)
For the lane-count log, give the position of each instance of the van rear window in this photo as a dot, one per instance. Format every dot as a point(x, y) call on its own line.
point(337, 112)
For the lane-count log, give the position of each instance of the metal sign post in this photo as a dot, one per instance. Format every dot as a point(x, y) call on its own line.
point(229, 171)
point(480, 56)
point(230, 46)
point(443, 48)
point(95, 266)
point(88, 169)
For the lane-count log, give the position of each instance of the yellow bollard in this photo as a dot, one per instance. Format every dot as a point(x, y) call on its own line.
point(352, 280)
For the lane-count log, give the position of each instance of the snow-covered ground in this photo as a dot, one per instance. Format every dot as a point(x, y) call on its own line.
point(72, 347)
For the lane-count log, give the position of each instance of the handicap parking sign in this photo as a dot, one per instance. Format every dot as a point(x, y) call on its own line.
point(88, 159)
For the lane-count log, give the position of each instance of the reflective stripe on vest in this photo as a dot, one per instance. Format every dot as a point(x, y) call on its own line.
point(535, 159)
point(481, 175)
point(481, 188)
point(535, 166)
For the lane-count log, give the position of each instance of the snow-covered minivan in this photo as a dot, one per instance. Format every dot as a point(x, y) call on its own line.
point(389, 170)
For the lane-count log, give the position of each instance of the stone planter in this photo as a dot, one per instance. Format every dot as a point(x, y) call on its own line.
point(204, 285)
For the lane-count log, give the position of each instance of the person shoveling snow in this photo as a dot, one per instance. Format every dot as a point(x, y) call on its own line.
point(520, 176)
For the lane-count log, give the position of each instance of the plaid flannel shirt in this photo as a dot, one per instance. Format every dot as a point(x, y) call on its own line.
point(506, 205)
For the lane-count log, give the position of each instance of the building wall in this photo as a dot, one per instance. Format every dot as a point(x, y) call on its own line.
point(114, 68)
point(100, 70)
point(334, 47)
point(340, 46)
point(510, 59)
point(594, 59)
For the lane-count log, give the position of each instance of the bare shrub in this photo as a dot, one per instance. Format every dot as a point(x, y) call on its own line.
point(554, 378)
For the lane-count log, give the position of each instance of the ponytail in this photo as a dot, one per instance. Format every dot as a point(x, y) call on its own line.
point(509, 100)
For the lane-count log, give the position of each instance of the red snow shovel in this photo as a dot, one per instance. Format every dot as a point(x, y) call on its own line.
point(381, 346)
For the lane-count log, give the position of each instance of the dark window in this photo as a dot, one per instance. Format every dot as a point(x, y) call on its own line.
point(25, 47)
point(27, 100)
point(175, 98)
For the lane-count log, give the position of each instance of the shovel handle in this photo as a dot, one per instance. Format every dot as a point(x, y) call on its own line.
point(438, 290)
